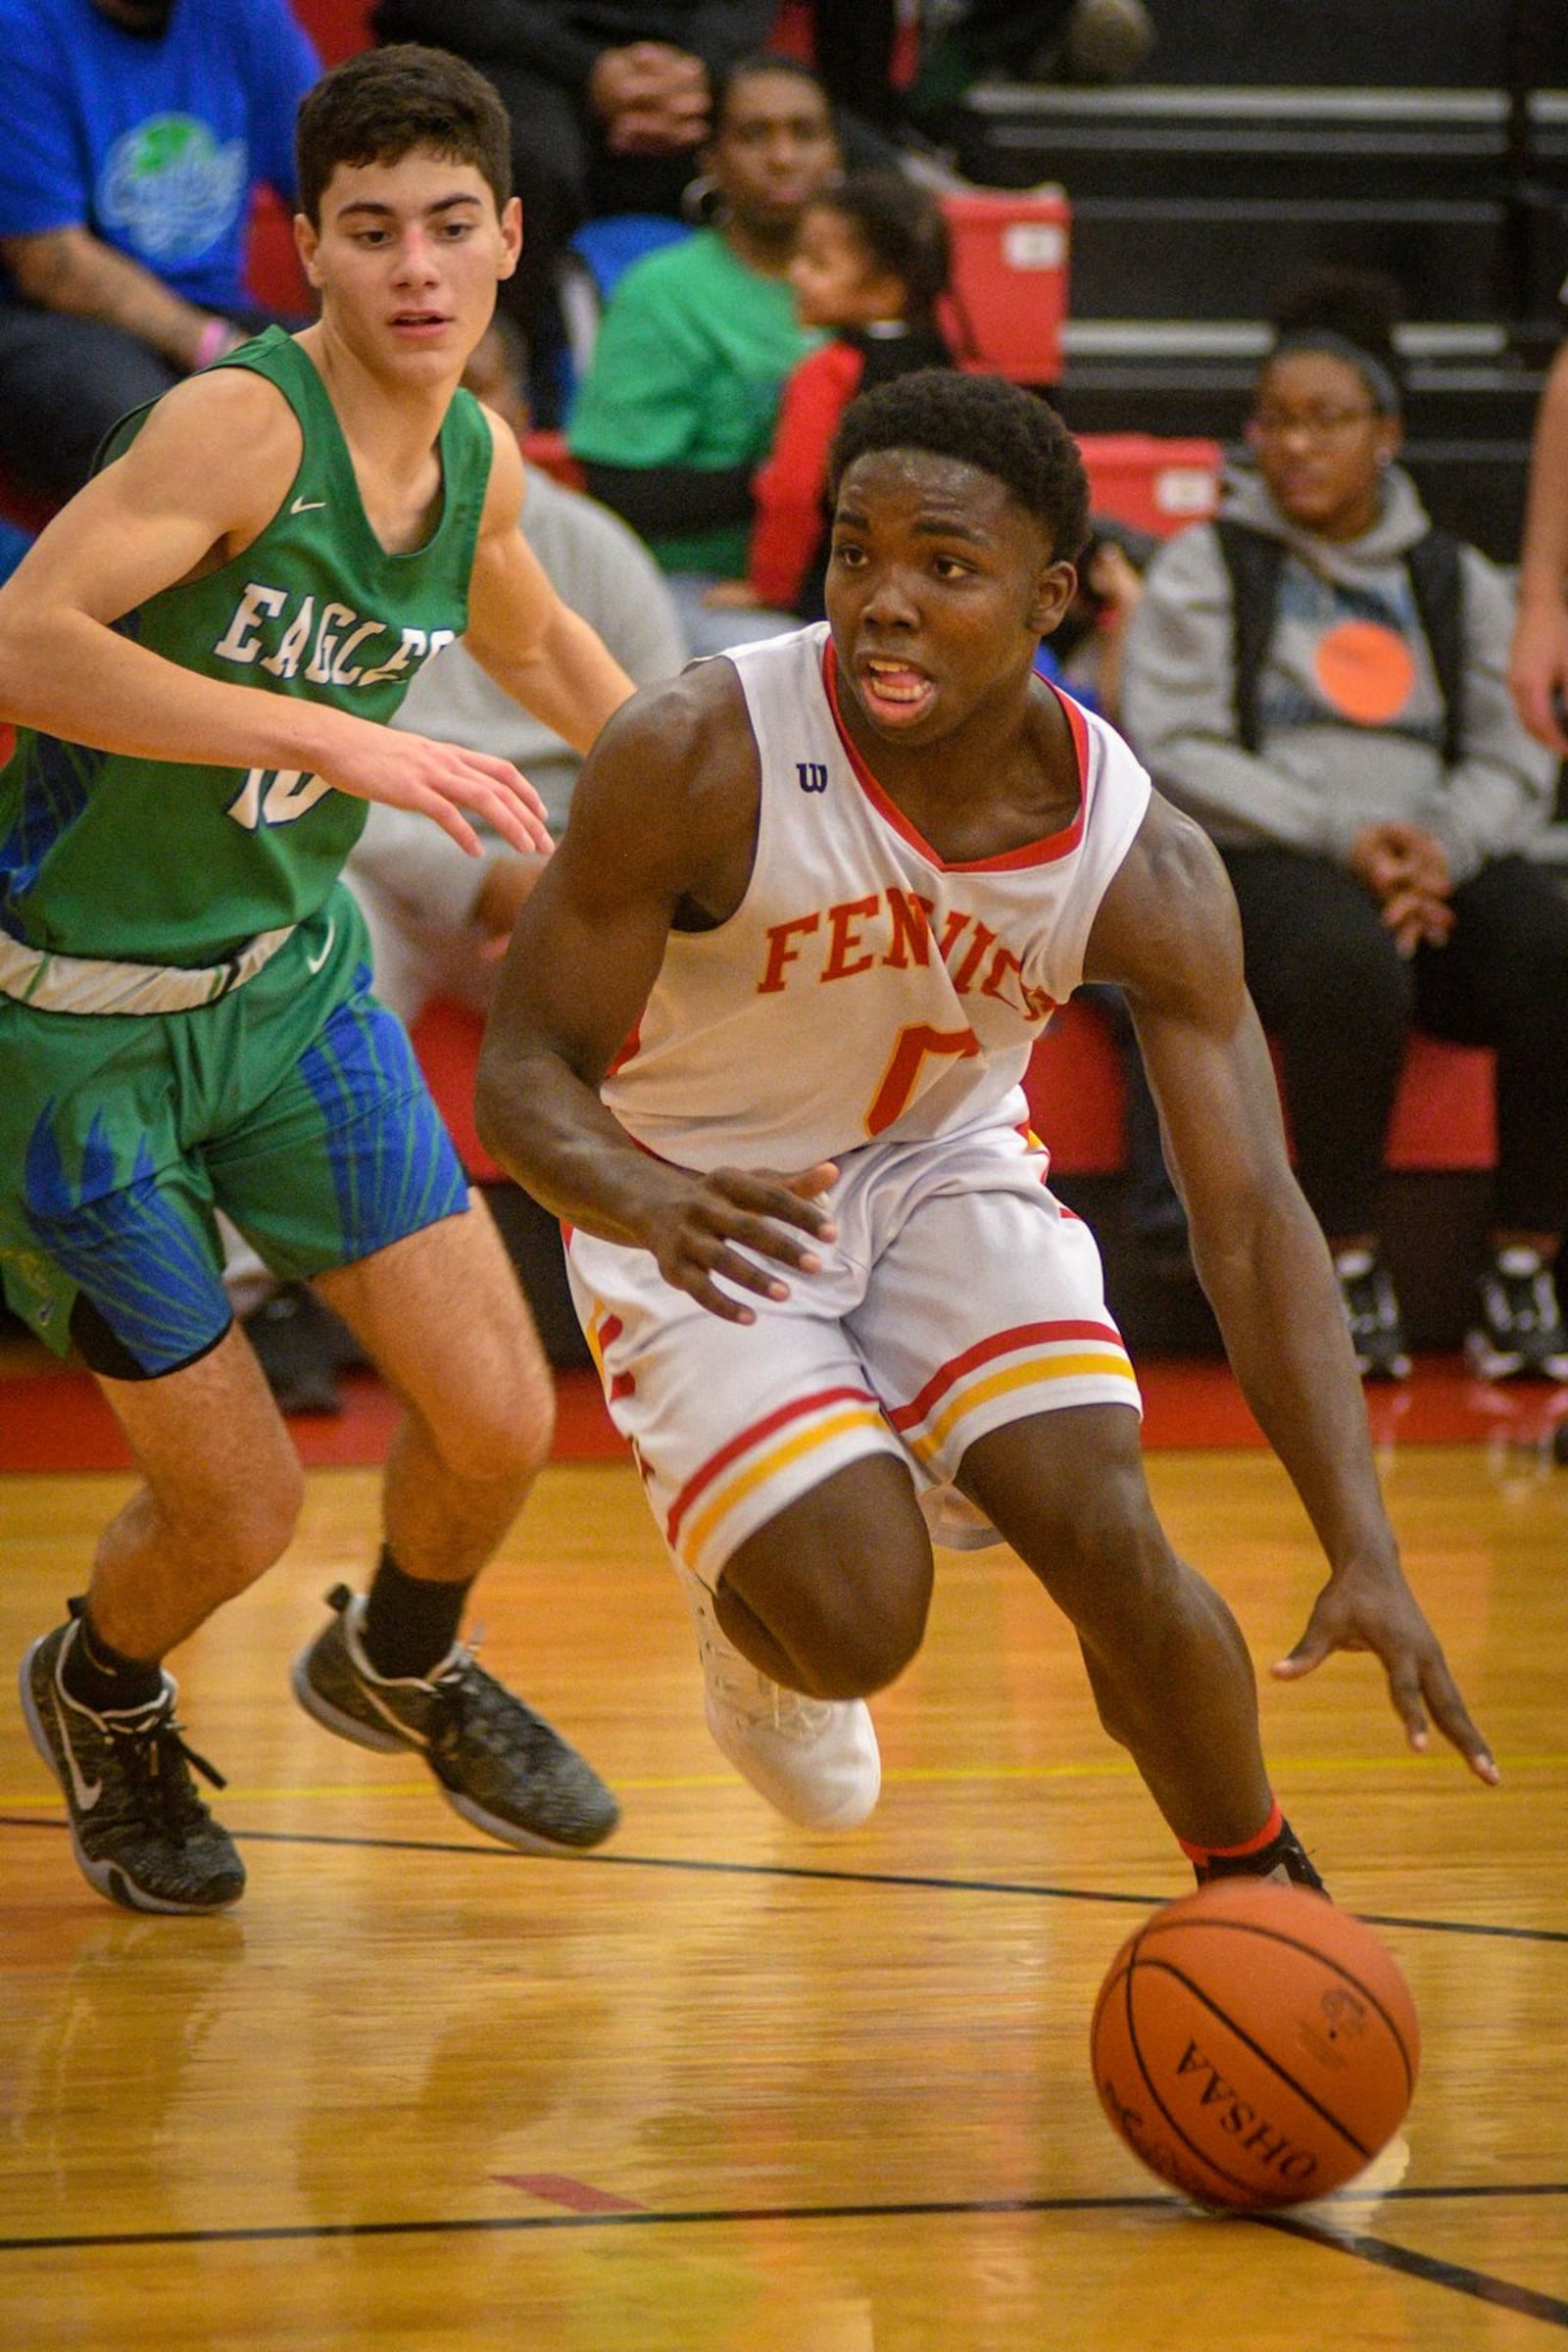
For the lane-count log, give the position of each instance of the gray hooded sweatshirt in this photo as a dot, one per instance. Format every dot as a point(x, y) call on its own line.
point(1349, 708)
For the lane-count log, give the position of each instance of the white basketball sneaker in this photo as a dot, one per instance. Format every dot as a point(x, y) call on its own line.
point(816, 1760)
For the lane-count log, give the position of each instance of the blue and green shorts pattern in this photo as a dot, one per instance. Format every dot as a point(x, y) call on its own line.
point(294, 1105)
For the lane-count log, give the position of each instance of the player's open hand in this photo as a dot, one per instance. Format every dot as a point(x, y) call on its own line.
point(1537, 669)
point(706, 1229)
point(443, 782)
point(1375, 1609)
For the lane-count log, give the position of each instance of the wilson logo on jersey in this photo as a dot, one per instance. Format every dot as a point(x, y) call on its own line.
point(811, 774)
point(283, 633)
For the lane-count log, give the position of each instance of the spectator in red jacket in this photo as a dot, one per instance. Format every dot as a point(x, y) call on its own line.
point(872, 264)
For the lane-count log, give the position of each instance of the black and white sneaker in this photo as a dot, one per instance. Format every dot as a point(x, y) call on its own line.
point(1284, 1858)
point(498, 1763)
point(140, 1833)
point(1520, 1333)
point(1372, 1312)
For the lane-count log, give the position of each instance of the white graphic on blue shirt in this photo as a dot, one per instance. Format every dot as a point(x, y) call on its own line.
point(171, 188)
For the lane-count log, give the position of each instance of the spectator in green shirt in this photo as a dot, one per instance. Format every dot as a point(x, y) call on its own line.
point(678, 407)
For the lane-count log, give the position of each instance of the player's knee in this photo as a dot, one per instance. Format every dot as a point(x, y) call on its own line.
point(505, 1434)
point(866, 1634)
point(235, 1536)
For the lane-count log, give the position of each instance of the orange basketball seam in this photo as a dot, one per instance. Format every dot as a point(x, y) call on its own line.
point(1258, 2051)
point(1245, 1927)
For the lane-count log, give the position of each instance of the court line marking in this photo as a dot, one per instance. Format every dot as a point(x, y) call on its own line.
point(901, 1776)
point(1429, 2270)
point(699, 1866)
point(1432, 2269)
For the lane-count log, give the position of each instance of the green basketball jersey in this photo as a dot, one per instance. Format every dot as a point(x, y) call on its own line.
point(162, 861)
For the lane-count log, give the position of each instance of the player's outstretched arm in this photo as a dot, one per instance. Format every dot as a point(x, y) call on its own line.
point(1168, 934)
point(537, 649)
point(202, 479)
point(1537, 665)
point(662, 829)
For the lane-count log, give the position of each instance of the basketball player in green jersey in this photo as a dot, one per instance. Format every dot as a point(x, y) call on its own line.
point(202, 654)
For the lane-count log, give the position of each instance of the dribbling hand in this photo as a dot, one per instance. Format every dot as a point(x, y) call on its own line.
point(702, 1231)
point(1364, 1608)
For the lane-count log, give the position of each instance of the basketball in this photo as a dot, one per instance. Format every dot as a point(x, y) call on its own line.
point(1253, 2045)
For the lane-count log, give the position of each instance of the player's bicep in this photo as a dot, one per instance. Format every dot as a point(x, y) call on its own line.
point(578, 973)
point(589, 942)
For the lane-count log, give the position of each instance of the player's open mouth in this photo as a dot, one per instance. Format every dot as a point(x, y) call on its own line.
point(893, 690)
point(419, 322)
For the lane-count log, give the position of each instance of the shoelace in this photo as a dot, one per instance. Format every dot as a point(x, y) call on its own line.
point(751, 1694)
point(471, 1704)
point(152, 1762)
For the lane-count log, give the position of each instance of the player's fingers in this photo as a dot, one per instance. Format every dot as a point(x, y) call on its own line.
point(506, 778)
point(1404, 1690)
point(1452, 1719)
point(810, 1182)
point(1311, 1650)
point(727, 1309)
point(769, 1238)
point(702, 1278)
point(448, 815)
point(519, 827)
point(765, 1202)
point(1537, 708)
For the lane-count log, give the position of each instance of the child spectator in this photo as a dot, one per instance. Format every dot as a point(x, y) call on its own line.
point(872, 264)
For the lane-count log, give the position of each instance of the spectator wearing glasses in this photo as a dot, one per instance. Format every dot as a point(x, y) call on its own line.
point(1319, 677)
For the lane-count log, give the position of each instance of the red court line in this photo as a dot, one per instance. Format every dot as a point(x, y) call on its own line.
point(52, 1418)
point(577, 2197)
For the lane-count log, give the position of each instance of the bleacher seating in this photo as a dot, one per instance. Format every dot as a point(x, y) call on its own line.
point(1191, 203)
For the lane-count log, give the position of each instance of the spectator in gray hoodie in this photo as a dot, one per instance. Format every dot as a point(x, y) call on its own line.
point(1319, 679)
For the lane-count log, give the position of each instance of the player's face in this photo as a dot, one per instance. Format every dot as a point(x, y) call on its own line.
point(1320, 443)
point(940, 586)
point(836, 282)
point(407, 258)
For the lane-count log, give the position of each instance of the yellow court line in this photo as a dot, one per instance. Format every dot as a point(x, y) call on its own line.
point(1110, 1769)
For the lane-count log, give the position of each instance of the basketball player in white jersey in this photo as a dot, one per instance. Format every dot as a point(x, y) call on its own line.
point(759, 1042)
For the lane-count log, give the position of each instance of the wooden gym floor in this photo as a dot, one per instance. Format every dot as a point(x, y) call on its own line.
point(728, 2088)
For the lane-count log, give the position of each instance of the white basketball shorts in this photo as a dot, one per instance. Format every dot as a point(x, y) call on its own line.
point(960, 1295)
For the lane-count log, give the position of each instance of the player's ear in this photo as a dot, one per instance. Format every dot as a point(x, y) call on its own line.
point(510, 235)
point(307, 238)
point(1054, 587)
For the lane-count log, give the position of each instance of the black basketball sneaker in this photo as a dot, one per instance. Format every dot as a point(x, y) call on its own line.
point(140, 1833)
point(495, 1762)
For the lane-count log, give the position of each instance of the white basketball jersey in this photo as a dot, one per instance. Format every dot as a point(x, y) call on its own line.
point(864, 988)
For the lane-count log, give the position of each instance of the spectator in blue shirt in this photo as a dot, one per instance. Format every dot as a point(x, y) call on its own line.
point(136, 135)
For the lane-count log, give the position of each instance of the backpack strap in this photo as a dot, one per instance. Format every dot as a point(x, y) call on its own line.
point(1254, 563)
point(1436, 582)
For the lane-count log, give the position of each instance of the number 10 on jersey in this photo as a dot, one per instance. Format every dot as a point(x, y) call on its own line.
point(275, 796)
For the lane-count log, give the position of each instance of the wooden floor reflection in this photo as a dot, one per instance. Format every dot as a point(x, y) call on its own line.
point(728, 2088)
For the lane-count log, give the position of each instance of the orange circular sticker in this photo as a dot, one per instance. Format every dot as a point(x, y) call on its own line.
point(1365, 671)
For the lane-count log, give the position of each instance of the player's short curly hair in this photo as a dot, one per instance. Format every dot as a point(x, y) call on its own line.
point(381, 104)
point(1006, 431)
